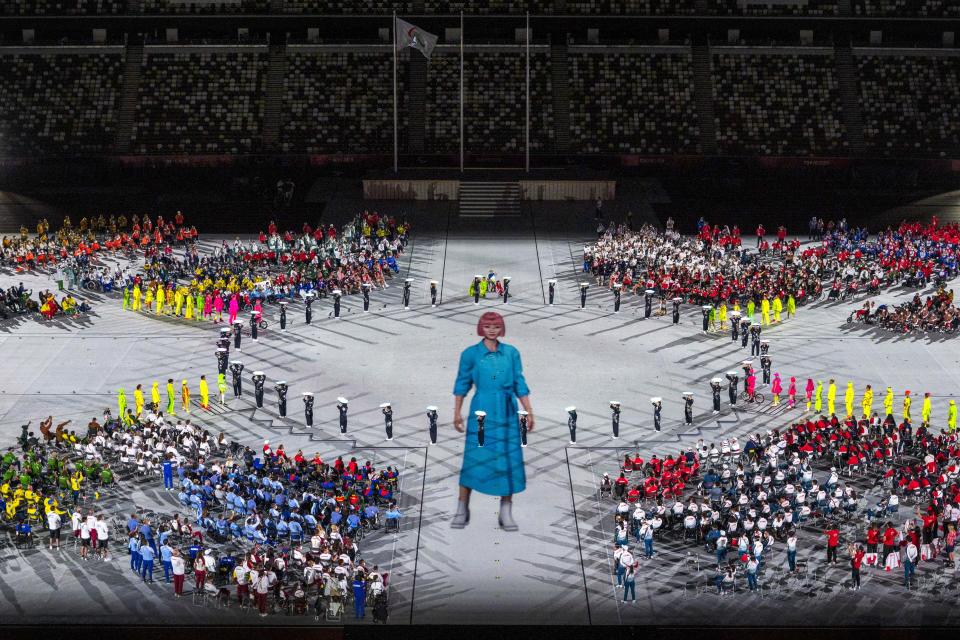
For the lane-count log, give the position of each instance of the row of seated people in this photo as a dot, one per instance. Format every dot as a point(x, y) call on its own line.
point(777, 104)
point(335, 101)
point(59, 103)
point(201, 102)
point(654, 112)
point(910, 104)
point(907, 8)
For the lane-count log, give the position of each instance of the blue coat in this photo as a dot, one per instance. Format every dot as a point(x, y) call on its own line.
point(497, 467)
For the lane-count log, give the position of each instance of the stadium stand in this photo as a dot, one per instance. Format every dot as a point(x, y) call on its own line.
point(340, 101)
point(655, 113)
point(61, 7)
point(822, 8)
point(631, 7)
point(58, 102)
point(201, 102)
point(223, 6)
point(777, 104)
point(907, 8)
point(911, 104)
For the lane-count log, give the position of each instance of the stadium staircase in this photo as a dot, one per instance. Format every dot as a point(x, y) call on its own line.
point(703, 88)
point(273, 106)
point(845, 8)
point(850, 97)
point(561, 97)
point(489, 199)
point(416, 103)
point(132, 70)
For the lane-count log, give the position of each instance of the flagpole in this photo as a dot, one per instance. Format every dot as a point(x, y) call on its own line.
point(527, 163)
point(396, 153)
point(461, 90)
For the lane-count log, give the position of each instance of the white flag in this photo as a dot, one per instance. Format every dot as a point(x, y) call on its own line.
point(409, 35)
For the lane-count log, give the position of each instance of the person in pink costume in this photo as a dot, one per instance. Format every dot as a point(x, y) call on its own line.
point(234, 307)
point(792, 393)
point(777, 389)
point(218, 306)
point(809, 388)
point(751, 383)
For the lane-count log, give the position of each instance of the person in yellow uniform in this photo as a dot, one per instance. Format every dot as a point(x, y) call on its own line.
point(867, 404)
point(765, 311)
point(848, 398)
point(222, 388)
point(178, 301)
point(188, 306)
point(791, 306)
point(777, 309)
point(185, 396)
point(121, 402)
point(148, 299)
point(925, 410)
point(831, 398)
point(952, 417)
point(160, 298)
point(818, 397)
point(907, 401)
point(888, 402)
point(722, 316)
point(155, 396)
point(137, 295)
point(171, 398)
point(138, 399)
point(204, 393)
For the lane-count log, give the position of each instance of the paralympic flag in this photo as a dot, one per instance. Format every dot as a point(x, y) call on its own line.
point(408, 35)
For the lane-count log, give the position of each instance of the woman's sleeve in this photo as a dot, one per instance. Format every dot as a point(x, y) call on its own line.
point(520, 387)
point(464, 374)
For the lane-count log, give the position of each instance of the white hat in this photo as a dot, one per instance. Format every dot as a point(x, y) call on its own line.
point(650, 292)
point(732, 373)
point(708, 307)
point(238, 322)
point(506, 277)
point(431, 408)
point(283, 302)
point(655, 400)
point(434, 282)
point(688, 393)
point(337, 292)
point(259, 373)
point(570, 409)
point(764, 342)
point(308, 393)
point(618, 286)
point(384, 405)
point(409, 280)
point(735, 313)
point(235, 362)
point(678, 299)
point(616, 402)
point(522, 413)
point(480, 414)
point(341, 400)
point(584, 284)
point(552, 281)
point(477, 276)
point(366, 284)
point(716, 380)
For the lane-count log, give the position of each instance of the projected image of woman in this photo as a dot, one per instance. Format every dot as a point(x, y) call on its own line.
point(496, 468)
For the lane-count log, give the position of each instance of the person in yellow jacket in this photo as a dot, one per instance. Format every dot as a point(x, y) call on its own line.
point(831, 398)
point(185, 396)
point(848, 398)
point(818, 397)
point(222, 388)
point(160, 298)
point(888, 402)
point(204, 393)
point(138, 399)
point(137, 295)
point(907, 401)
point(791, 306)
point(765, 311)
point(777, 309)
point(188, 306)
point(155, 396)
point(178, 301)
point(867, 403)
point(121, 402)
point(148, 299)
point(722, 316)
point(952, 417)
point(925, 410)
point(171, 398)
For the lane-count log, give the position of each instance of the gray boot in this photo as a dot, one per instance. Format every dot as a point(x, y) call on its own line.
point(462, 517)
point(506, 516)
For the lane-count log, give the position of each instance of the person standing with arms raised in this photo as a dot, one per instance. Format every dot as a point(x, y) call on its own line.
point(496, 468)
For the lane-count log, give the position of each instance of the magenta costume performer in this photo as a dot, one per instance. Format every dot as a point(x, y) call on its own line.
point(496, 468)
point(234, 307)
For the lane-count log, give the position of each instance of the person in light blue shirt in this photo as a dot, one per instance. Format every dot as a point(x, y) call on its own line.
point(134, 548)
point(147, 554)
point(166, 553)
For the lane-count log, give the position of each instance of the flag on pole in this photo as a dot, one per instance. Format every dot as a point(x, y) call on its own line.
point(409, 35)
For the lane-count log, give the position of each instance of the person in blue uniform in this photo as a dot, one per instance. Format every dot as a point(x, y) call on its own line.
point(494, 370)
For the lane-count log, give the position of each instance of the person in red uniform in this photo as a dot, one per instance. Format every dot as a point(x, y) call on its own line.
point(873, 538)
point(889, 540)
point(856, 559)
point(760, 233)
point(833, 539)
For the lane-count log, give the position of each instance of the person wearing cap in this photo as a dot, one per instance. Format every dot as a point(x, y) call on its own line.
point(776, 389)
point(495, 371)
point(792, 393)
point(185, 396)
point(888, 402)
point(907, 401)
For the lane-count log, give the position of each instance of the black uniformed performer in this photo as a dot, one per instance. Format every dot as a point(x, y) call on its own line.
point(688, 407)
point(259, 378)
point(406, 292)
point(366, 296)
point(766, 363)
point(706, 310)
point(308, 308)
point(676, 310)
point(583, 294)
point(237, 333)
point(523, 427)
point(308, 408)
point(432, 417)
point(476, 289)
point(716, 384)
point(506, 289)
point(336, 303)
point(283, 316)
point(222, 356)
point(734, 379)
point(647, 303)
point(551, 290)
point(572, 423)
point(387, 419)
point(745, 331)
point(657, 406)
point(236, 370)
point(734, 325)
point(755, 339)
point(342, 406)
point(764, 347)
point(281, 388)
point(615, 418)
point(433, 293)
point(254, 326)
point(481, 418)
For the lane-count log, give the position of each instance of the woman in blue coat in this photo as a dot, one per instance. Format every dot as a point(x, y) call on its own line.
point(496, 468)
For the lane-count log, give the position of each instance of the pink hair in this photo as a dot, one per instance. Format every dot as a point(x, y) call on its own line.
point(491, 317)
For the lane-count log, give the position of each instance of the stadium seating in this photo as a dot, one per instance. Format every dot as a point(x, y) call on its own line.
point(201, 102)
point(652, 113)
point(61, 7)
point(345, 7)
point(824, 8)
point(907, 8)
point(55, 104)
point(631, 7)
point(911, 104)
point(495, 105)
point(223, 6)
point(340, 102)
point(777, 104)
point(542, 7)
